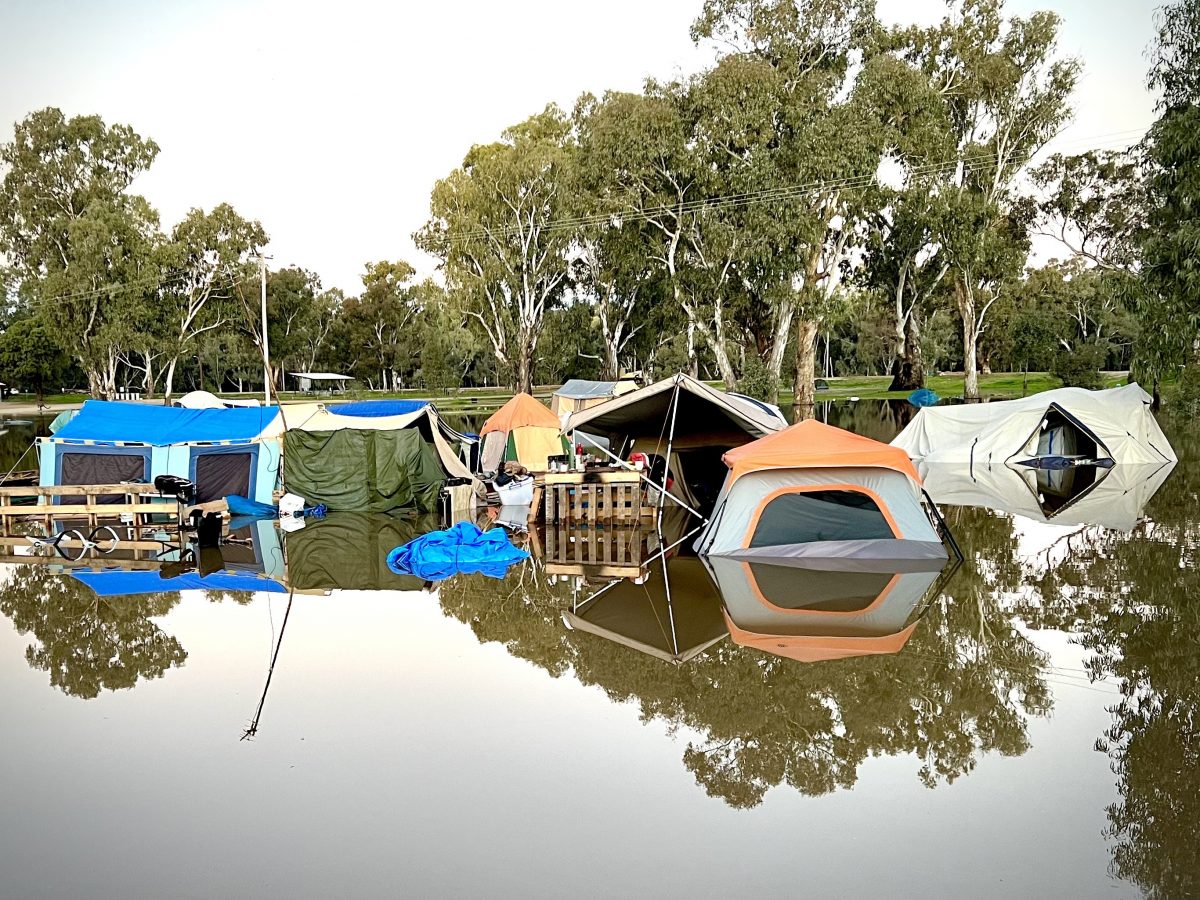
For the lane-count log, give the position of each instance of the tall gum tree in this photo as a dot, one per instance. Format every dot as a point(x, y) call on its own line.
point(1004, 94)
point(496, 228)
point(819, 148)
point(83, 249)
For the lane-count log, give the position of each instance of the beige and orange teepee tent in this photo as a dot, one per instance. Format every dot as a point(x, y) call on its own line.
point(522, 430)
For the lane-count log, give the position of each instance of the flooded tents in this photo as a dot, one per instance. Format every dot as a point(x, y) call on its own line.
point(813, 492)
point(522, 430)
point(683, 419)
point(812, 615)
point(673, 619)
point(370, 457)
point(578, 394)
point(1074, 425)
point(222, 451)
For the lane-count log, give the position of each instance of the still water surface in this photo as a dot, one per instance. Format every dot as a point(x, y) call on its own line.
point(1036, 736)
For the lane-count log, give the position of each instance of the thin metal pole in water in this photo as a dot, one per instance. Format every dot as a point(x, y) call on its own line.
point(262, 269)
point(253, 729)
point(670, 441)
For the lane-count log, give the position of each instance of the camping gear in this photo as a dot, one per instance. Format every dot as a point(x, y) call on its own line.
point(516, 491)
point(121, 582)
point(1114, 424)
point(462, 549)
point(221, 451)
point(524, 431)
point(812, 615)
point(674, 618)
point(686, 423)
point(814, 492)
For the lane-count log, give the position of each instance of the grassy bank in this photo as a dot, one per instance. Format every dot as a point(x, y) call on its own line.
point(997, 386)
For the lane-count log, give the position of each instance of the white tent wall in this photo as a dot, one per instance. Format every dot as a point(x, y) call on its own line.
point(739, 505)
point(986, 434)
point(1117, 501)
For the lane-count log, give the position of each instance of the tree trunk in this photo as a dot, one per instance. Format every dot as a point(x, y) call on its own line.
point(169, 388)
point(779, 339)
point(965, 297)
point(524, 371)
point(692, 357)
point(804, 386)
point(908, 369)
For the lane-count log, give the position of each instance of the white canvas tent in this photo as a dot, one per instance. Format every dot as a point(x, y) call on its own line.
point(1114, 424)
point(1116, 500)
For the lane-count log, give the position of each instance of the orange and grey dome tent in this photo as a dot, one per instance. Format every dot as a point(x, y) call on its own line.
point(813, 615)
point(522, 430)
point(812, 491)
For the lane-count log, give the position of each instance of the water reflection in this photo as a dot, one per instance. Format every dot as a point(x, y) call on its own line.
point(87, 643)
point(824, 671)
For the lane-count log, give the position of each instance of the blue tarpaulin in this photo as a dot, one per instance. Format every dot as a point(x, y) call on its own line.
point(120, 582)
point(373, 408)
point(161, 426)
point(923, 397)
point(461, 549)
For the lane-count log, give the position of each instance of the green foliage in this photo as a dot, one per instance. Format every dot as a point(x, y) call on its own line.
point(30, 356)
point(756, 380)
point(1079, 367)
point(1187, 397)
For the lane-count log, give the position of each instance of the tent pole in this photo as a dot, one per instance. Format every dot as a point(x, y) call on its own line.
point(670, 606)
point(252, 730)
point(670, 442)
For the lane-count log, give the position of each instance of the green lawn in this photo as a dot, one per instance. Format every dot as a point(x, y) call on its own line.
point(999, 385)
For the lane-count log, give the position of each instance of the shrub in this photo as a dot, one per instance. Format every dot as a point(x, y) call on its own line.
point(1079, 367)
point(756, 379)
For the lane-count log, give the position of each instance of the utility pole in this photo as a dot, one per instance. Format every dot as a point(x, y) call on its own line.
point(266, 350)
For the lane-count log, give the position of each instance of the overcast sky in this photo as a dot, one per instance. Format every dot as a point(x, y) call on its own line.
point(331, 121)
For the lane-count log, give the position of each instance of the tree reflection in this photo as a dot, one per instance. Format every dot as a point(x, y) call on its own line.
point(965, 685)
point(86, 643)
point(1131, 601)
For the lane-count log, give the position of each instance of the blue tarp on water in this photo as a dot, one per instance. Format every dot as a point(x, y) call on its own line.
point(121, 583)
point(923, 397)
point(161, 426)
point(461, 549)
point(373, 408)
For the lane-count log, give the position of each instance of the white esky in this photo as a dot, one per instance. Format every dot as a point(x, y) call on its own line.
point(330, 122)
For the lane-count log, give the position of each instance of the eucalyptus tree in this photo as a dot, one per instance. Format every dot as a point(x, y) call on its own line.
point(497, 227)
point(637, 155)
point(1004, 94)
point(1171, 308)
point(814, 152)
point(84, 250)
point(205, 252)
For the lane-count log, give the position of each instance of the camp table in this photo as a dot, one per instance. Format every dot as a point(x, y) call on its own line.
point(595, 494)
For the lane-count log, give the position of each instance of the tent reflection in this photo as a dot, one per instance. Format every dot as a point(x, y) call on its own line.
point(820, 614)
point(674, 618)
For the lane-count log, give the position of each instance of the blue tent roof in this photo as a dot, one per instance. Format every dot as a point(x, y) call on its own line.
point(120, 582)
point(161, 426)
point(371, 408)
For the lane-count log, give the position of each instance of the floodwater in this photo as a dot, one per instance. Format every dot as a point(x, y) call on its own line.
point(1034, 736)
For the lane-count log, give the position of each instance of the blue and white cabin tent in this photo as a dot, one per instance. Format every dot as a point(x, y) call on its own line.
point(222, 451)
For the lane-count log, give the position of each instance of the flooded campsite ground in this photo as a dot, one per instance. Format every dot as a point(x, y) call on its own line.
point(611, 719)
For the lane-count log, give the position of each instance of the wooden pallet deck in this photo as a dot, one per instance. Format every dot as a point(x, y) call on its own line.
point(592, 496)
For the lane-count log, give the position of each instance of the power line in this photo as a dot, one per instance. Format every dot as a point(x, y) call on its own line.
point(780, 193)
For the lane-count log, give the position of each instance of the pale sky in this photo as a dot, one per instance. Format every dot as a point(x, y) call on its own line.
point(331, 121)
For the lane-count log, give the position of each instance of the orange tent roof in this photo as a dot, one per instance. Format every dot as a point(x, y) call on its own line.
point(814, 445)
point(820, 648)
point(522, 410)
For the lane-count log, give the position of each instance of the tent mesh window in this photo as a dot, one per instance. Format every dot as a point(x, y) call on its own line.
point(219, 475)
point(101, 468)
point(832, 515)
point(816, 590)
